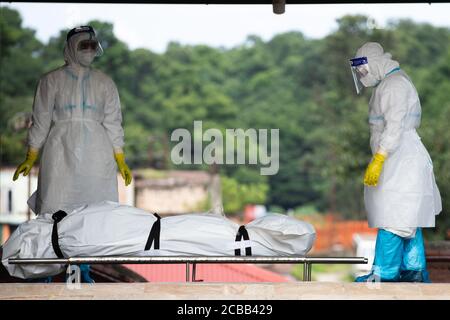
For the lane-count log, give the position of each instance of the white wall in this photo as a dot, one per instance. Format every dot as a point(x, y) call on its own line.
point(19, 193)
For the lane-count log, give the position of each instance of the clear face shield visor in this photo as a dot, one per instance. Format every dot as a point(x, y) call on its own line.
point(360, 69)
point(92, 45)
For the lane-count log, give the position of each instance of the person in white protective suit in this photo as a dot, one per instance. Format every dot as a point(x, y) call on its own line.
point(77, 123)
point(400, 193)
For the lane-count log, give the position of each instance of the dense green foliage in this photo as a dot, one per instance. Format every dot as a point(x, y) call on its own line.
point(301, 86)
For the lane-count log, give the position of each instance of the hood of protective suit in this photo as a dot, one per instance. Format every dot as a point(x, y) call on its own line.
point(72, 56)
point(379, 62)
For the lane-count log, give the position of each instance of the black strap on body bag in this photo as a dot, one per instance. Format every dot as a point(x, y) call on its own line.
point(154, 234)
point(57, 217)
point(242, 233)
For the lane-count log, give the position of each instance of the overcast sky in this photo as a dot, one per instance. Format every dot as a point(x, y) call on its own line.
point(153, 26)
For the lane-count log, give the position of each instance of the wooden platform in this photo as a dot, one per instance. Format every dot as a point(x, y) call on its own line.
point(224, 291)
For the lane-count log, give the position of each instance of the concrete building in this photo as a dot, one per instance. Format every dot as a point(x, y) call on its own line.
point(14, 195)
point(176, 191)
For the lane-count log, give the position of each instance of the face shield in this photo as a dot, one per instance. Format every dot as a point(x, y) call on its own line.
point(89, 43)
point(360, 69)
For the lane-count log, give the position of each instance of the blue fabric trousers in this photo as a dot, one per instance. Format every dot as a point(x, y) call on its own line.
point(398, 259)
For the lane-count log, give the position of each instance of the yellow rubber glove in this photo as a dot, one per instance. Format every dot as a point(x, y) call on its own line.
point(373, 170)
point(123, 168)
point(26, 166)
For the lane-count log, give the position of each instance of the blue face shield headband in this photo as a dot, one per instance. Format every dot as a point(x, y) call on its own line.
point(359, 68)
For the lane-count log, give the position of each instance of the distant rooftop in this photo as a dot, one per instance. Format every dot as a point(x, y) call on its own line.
point(206, 272)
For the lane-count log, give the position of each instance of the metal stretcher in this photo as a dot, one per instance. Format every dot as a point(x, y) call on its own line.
point(194, 260)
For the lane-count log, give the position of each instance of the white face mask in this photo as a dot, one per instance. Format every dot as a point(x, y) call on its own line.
point(86, 57)
point(369, 80)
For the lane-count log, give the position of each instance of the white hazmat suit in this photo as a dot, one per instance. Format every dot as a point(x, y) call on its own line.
point(77, 124)
point(400, 193)
point(406, 196)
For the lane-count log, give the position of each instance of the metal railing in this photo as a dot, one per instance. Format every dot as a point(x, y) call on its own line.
point(306, 261)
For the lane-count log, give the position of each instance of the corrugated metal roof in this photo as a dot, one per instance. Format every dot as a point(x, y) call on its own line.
point(206, 272)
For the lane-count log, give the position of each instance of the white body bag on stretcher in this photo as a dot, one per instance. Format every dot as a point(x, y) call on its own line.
point(111, 229)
